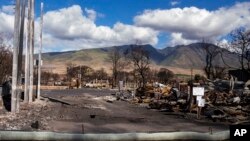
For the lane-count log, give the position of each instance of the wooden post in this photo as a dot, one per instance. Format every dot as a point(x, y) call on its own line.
point(15, 56)
point(198, 112)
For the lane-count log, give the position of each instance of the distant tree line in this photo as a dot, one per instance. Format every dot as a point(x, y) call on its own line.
point(84, 72)
point(48, 77)
point(131, 65)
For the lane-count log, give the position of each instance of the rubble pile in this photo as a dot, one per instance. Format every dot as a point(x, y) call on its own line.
point(221, 104)
point(34, 116)
point(232, 107)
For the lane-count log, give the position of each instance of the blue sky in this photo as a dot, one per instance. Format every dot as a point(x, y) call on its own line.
point(79, 24)
point(125, 10)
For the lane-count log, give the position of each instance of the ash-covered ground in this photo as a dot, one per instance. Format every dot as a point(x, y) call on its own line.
point(97, 111)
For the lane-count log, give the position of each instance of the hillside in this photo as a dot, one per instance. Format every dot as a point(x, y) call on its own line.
point(194, 56)
point(180, 58)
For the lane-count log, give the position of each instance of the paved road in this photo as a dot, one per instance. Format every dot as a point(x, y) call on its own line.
point(66, 92)
point(118, 116)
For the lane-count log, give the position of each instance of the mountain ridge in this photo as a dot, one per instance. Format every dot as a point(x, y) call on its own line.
point(181, 56)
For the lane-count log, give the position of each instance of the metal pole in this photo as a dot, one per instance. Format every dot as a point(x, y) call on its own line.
point(31, 50)
point(15, 56)
point(27, 55)
point(40, 54)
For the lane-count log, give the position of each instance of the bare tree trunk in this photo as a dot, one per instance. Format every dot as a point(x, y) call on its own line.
point(210, 67)
point(242, 62)
point(143, 79)
point(15, 56)
point(115, 58)
point(242, 57)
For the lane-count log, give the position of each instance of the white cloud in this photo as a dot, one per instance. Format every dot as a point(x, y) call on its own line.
point(177, 39)
point(9, 9)
point(75, 28)
point(224, 41)
point(174, 3)
point(103, 37)
point(194, 23)
point(6, 23)
point(91, 14)
point(70, 28)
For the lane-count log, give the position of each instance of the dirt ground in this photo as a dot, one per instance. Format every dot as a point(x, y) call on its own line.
point(91, 112)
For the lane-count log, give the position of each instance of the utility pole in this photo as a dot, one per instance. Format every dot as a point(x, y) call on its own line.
point(40, 54)
point(15, 56)
point(20, 55)
point(31, 44)
point(27, 60)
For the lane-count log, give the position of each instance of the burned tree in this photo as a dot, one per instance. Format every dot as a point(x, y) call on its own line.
point(74, 75)
point(115, 58)
point(211, 52)
point(48, 77)
point(86, 72)
point(140, 59)
point(5, 61)
point(55, 76)
point(240, 44)
point(165, 75)
point(101, 74)
point(219, 72)
point(71, 71)
point(152, 75)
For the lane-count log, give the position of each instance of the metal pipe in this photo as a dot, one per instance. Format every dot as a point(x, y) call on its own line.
point(21, 135)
